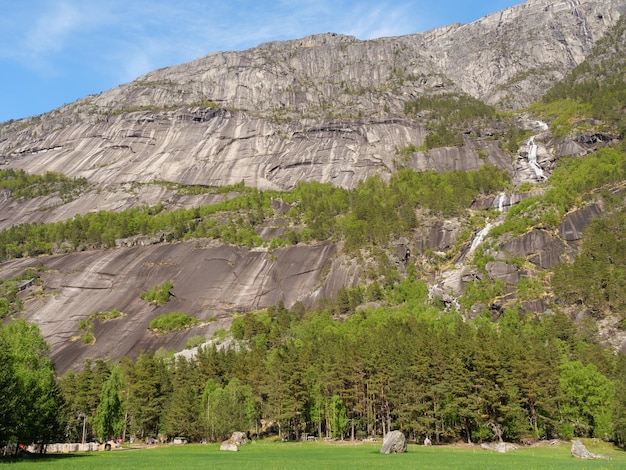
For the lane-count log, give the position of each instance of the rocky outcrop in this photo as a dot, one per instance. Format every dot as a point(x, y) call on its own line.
point(438, 236)
point(571, 228)
point(234, 441)
point(394, 443)
point(540, 247)
point(508, 273)
point(580, 452)
point(557, 35)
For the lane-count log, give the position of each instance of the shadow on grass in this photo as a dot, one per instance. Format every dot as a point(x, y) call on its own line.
point(47, 458)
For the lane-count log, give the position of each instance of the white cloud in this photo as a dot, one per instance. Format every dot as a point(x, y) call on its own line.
point(376, 20)
point(52, 29)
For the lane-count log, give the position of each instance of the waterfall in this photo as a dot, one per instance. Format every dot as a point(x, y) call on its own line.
point(478, 239)
point(499, 202)
point(581, 20)
point(532, 158)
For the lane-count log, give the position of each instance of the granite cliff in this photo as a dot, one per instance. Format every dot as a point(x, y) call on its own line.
point(327, 108)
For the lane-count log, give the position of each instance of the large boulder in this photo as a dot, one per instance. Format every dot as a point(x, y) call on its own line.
point(394, 443)
point(580, 452)
point(229, 447)
point(238, 438)
point(234, 441)
point(501, 447)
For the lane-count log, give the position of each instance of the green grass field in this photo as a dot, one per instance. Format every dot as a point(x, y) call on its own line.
point(268, 455)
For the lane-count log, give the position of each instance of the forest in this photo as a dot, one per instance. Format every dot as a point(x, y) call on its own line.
point(411, 367)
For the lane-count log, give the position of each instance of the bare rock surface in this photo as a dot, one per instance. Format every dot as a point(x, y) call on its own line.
point(540, 247)
point(559, 33)
point(580, 452)
point(573, 224)
point(211, 282)
point(394, 443)
point(508, 273)
point(326, 107)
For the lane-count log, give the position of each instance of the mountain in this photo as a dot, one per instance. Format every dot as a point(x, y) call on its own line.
point(269, 116)
point(322, 109)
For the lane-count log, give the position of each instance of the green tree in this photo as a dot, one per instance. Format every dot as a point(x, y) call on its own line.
point(81, 392)
point(228, 409)
point(148, 389)
point(619, 402)
point(183, 412)
point(38, 404)
point(109, 419)
point(586, 402)
point(8, 392)
point(339, 418)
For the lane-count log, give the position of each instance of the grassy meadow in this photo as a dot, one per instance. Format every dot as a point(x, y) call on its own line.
point(278, 455)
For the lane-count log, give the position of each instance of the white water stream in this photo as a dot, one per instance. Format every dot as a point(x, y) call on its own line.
point(532, 159)
point(449, 285)
point(581, 19)
point(499, 202)
point(445, 288)
point(478, 239)
point(533, 148)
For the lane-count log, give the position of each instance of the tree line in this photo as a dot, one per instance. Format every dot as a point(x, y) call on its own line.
point(411, 368)
point(372, 213)
point(23, 185)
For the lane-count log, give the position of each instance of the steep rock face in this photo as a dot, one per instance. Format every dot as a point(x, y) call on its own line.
point(512, 56)
point(540, 248)
point(522, 49)
point(224, 147)
point(210, 282)
point(326, 107)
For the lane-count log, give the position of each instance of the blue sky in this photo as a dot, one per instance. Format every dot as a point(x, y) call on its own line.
point(54, 52)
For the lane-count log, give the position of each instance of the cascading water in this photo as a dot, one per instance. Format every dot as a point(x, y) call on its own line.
point(478, 239)
point(532, 159)
point(449, 286)
point(581, 20)
point(533, 149)
point(500, 201)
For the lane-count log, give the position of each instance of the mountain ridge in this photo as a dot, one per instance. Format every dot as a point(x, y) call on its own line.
point(322, 109)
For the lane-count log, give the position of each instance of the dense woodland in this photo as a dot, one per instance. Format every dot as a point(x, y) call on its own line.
point(379, 356)
point(412, 367)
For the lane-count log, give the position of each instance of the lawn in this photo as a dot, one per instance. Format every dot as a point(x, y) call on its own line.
point(274, 455)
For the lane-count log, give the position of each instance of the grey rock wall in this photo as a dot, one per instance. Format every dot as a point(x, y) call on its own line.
point(325, 107)
point(211, 282)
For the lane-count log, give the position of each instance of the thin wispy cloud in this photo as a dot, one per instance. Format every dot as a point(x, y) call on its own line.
point(381, 19)
point(53, 28)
